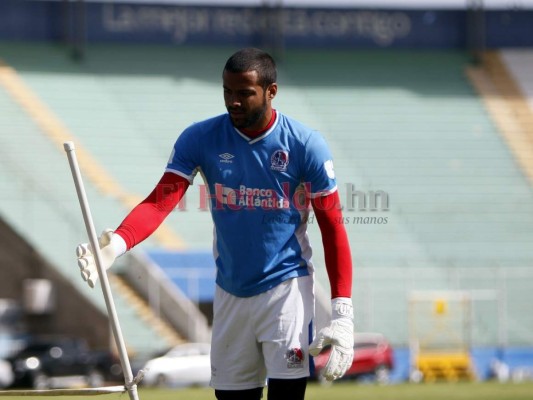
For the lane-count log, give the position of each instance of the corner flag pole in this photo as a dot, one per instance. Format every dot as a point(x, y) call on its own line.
point(130, 382)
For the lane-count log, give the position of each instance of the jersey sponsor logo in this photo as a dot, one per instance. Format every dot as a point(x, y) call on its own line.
point(226, 158)
point(227, 198)
point(279, 160)
point(295, 358)
point(246, 197)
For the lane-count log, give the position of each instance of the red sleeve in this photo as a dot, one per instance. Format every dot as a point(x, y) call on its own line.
point(336, 246)
point(146, 217)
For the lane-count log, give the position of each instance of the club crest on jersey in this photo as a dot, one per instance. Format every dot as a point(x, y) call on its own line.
point(279, 160)
point(295, 358)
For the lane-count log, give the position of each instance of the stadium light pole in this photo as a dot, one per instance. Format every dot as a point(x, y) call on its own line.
point(475, 30)
point(74, 27)
point(272, 13)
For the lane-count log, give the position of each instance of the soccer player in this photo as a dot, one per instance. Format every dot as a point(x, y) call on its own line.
point(262, 169)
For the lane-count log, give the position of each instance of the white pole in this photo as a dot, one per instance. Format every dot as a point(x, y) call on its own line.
point(131, 386)
point(64, 392)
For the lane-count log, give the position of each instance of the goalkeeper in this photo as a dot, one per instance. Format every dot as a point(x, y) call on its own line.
point(262, 169)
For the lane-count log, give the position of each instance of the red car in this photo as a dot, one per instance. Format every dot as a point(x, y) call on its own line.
point(373, 356)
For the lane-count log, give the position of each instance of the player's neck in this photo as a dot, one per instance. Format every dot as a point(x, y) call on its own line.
point(253, 134)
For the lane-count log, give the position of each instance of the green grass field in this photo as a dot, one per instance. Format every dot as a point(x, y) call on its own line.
point(345, 391)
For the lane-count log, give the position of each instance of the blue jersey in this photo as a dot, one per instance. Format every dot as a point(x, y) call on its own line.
point(257, 190)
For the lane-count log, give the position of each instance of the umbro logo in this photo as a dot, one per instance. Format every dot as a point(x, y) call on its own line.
point(226, 158)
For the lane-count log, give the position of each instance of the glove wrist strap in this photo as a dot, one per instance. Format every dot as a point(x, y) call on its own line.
point(342, 307)
point(118, 245)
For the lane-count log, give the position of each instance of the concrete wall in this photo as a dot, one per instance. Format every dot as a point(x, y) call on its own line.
point(20, 262)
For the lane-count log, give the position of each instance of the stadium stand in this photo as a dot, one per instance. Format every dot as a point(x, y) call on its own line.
point(409, 124)
point(414, 128)
point(38, 201)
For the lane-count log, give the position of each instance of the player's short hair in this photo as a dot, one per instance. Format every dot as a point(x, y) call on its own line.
point(252, 59)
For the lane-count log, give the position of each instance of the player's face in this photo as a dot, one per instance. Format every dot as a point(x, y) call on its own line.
point(248, 104)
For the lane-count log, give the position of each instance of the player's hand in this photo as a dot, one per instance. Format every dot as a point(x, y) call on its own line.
point(338, 334)
point(86, 259)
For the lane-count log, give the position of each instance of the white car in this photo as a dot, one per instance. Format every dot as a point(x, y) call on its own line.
point(185, 365)
point(6, 374)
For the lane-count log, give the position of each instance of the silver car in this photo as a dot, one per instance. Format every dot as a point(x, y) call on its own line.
point(183, 366)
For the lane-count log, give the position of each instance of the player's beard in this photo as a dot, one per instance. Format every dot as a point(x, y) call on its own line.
point(252, 116)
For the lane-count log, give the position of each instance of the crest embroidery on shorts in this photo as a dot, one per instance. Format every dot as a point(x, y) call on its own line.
point(295, 358)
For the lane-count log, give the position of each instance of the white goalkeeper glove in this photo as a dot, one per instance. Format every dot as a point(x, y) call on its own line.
point(338, 334)
point(111, 247)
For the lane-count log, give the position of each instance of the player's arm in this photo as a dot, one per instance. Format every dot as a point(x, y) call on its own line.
point(140, 223)
point(146, 217)
point(339, 332)
point(337, 252)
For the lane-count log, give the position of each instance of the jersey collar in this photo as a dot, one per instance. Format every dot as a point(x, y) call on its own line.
point(263, 135)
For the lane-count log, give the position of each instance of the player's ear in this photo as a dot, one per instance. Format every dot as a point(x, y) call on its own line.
point(272, 90)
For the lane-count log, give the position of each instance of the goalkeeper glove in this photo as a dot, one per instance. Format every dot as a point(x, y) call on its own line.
point(338, 334)
point(111, 247)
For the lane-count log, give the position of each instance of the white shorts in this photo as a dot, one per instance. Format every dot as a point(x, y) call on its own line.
point(267, 335)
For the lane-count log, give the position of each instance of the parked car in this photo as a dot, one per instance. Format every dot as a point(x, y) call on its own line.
point(373, 357)
point(62, 362)
point(184, 365)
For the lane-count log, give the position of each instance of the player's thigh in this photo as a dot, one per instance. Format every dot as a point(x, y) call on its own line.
point(285, 330)
point(236, 358)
